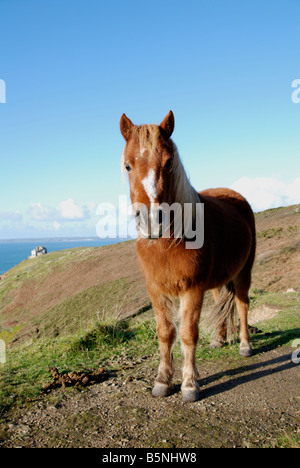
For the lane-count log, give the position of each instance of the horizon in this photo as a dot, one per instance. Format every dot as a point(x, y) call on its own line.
point(62, 239)
point(228, 71)
point(97, 238)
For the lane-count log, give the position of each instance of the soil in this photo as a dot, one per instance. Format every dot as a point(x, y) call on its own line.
point(250, 402)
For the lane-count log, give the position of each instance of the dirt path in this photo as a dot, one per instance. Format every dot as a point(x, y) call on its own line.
point(246, 403)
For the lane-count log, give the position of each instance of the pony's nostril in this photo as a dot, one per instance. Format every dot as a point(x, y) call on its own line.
point(137, 213)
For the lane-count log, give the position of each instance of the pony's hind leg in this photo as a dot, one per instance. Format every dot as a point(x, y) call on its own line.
point(242, 284)
point(166, 331)
point(191, 303)
point(219, 338)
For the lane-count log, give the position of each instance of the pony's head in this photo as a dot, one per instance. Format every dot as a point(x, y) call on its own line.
point(148, 157)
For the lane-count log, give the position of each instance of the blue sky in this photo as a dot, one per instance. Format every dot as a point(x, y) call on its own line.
point(71, 68)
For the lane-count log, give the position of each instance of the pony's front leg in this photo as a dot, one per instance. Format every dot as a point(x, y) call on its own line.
point(166, 331)
point(191, 303)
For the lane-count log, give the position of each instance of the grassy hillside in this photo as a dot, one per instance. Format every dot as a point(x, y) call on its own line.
point(69, 291)
point(277, 266)
point(83, 308)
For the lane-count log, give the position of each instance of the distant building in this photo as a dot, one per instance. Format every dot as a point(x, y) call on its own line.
point(38, 252)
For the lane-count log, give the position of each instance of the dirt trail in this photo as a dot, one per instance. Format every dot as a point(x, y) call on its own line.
point(246, 403)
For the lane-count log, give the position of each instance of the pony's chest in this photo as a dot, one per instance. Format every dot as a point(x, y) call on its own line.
point(171, 271)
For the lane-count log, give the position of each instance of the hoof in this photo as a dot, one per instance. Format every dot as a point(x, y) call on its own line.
point(161, 390)
point(190, 395)
point(245, 351)
point(216, 344)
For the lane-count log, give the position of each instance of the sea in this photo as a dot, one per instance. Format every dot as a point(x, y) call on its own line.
point(12, 252)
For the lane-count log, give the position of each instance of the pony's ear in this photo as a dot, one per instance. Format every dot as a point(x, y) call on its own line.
point(167, 124)
point(125, 126)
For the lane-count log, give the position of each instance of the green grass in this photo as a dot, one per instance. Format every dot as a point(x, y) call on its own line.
point(269, 233)
point(289, 231)
point(285, 327)
point(8, 334)
point(288, 441)
point(78, 313)
point(84, 308)
point(26, 369)
point(278, 212)
point(71, 315)
point(38, 269)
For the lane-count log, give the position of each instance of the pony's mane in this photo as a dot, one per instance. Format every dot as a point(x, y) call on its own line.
point(148, 136)
point(185, 192)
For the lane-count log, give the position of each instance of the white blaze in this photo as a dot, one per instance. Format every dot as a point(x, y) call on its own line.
point(149, 185)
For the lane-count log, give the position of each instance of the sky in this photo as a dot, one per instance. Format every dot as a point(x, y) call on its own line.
point(230, 72)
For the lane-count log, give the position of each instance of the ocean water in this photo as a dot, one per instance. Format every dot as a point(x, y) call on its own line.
point(15, 251)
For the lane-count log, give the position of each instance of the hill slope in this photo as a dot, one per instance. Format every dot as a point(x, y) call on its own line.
point(65, 291)
point(67, 306)
point(68, 291)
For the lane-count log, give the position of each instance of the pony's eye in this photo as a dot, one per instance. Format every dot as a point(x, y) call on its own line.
point(128, 167)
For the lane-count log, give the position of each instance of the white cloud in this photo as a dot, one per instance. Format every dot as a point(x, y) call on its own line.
point(268, 192)
point(68, 210)
point(56, 226)
point(10, 215)
point(38, 212)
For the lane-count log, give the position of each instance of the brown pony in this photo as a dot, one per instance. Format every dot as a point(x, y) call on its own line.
point(223, 264)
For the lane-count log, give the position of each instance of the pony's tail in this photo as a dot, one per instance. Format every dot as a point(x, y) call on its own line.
point(224, 313)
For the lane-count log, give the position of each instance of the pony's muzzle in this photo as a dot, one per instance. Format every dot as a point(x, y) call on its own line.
point(149, 221)
point(156, 221)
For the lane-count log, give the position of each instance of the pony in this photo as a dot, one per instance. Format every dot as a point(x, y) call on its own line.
point(172, 271)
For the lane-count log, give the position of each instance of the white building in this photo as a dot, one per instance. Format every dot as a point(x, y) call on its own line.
point(38, 252)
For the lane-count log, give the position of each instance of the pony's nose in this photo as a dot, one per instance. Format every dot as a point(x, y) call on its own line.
point(157, 215)
point(156, 220)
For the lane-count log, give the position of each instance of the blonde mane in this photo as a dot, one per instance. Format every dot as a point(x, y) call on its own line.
point(185, 192)
point(148, 136)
